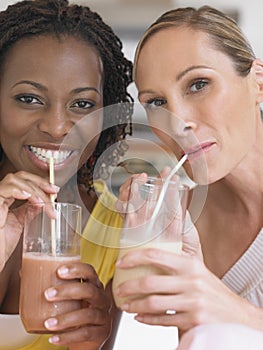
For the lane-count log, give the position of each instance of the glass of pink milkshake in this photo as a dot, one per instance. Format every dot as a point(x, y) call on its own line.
point(48, 242)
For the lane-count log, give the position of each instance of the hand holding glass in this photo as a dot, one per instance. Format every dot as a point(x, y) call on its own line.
point(150, 223)
point(47, 244)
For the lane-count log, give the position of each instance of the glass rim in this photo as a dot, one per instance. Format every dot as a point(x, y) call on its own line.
point(60, 204)
point(151, 179)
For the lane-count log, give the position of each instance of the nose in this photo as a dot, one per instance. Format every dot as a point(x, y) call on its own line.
point(56, 123)
point(181, 127)
point(181, 120)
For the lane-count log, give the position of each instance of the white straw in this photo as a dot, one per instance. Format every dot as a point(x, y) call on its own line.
point(164, 188)
point(51, 177)
point(52, 199)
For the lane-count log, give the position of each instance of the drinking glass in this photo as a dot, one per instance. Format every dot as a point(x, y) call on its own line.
point(154, 218)
point(48, 243)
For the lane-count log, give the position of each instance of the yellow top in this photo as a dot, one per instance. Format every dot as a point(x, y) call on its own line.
point(99, 248)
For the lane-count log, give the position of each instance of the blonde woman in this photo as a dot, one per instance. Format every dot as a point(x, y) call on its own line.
point(198, 65)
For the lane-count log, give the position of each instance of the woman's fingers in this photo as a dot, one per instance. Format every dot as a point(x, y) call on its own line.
point(80, 271)
point(83, 317)
point(86, 291)
point(171, 318)
point(169, 262)
point(125, 193)
point(23, 186)
point(90, 323)
point(85, 286)
point(151, 284)
point(190, 237)
point(88, 335)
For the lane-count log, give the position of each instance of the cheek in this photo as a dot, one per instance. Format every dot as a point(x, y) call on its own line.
point(242, 123)
point(90, 139)
point(168, 141)
point(89, 149)
point(11, 132)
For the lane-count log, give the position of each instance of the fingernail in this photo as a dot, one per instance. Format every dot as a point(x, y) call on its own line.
point(125, 307)
point(27, 194)
point(118, 262)
point(55, 187)
point(51, 323)
point(50, 293)
point(138, 318)
point(54, 340)
point(62, 271)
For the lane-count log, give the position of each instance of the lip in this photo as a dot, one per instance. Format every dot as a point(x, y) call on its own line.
point(199, 150)
point(63, 155)
point(51, 146)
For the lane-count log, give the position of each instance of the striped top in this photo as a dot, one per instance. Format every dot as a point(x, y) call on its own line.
point(245, 278)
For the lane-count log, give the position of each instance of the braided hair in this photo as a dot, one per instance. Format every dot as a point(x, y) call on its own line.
point(29, 18)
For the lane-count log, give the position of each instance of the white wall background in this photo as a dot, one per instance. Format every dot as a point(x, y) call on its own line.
point(251, 19)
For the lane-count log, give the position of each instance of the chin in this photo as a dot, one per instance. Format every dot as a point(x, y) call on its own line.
point(197, 171)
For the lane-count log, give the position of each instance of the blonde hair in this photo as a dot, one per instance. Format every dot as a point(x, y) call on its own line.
point(225, 33)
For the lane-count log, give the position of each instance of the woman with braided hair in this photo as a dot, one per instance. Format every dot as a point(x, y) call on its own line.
point(60, 64)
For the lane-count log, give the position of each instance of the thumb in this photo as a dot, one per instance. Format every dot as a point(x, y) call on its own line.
point(191, 241)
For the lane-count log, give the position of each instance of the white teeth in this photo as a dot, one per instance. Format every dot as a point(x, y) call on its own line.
point(48, 154)
point(44, 154)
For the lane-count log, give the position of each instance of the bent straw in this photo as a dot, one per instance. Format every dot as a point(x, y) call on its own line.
point(52, 199)
point(164, 188)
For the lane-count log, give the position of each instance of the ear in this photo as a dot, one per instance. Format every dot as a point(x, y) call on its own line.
point(257, 68)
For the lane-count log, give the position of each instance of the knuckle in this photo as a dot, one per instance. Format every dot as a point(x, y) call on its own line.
point(199, 311)
point(153, 254)
point(152, 302)
point(147, 283)
point(197, 267)
point(22, 173)
point(144, 284)
point(10, 177)
point(198, 285)
point(86, 333)
point(200, 305)
point(199, 318)
point(91, 269)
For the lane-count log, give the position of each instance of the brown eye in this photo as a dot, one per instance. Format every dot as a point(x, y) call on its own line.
point(28, 99)
point(83, 104)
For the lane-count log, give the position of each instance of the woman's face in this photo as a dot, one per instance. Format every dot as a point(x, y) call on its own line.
point(213, 112)
point(47, 87)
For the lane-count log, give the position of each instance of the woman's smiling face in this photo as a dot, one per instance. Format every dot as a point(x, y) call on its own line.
point(213, 111)
point(47, 86)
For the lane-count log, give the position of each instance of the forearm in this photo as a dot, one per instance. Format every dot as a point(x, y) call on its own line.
point(116, 317)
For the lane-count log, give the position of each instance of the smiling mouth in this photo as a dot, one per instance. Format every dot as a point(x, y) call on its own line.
point(44, 154)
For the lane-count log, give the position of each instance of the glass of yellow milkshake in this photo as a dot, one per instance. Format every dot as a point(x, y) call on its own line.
point(154, 218)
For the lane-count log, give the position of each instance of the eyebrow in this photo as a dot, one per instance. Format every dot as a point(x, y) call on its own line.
point(44, 88)
point(86, 88)
point(189, 69)
point(178, 77)
point(30, 82)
